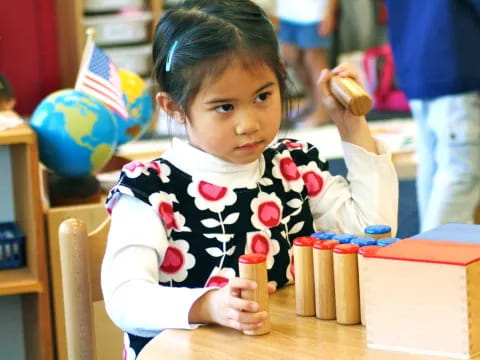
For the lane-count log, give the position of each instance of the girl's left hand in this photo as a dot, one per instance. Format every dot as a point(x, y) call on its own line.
point(335, 109)
point(352, 128)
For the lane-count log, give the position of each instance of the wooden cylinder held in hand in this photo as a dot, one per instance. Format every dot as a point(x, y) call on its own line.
point(351, 95)
point(324, 280)
point(347, 296)
point(304, 281)
point(254, 267)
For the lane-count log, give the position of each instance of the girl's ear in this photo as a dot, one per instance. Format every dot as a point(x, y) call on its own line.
point(171, 108)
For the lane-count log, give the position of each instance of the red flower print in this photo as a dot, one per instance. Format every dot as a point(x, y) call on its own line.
point(285, 169)
point(267, 211)
point(262, 243)
point(155, 166)
point(313, 182)
point(136, 168)
point(219, 277)
point(176, 262)
point(211, 192)
point(173, 260)
point(289, 170)
point(293, 145)
point(312, 177)
point(210, 196)
point(217, 281)
point(166, 213)
point(163, 203)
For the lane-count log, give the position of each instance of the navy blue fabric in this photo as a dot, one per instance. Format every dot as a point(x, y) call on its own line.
point(436, 46)
point(408, 221)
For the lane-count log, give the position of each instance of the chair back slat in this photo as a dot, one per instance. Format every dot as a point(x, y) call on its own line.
point(97, 242)
point(79, 327)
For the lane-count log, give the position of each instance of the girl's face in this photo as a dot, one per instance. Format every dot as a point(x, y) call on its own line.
point(236, 115)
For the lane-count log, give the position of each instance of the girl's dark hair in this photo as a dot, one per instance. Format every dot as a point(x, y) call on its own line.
point(6, 92)
point(206, 35)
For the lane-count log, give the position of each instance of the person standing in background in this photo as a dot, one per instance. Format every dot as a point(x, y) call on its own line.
point(305, 27)
point(436, 48)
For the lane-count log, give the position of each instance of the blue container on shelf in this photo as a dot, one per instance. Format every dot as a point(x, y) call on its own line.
point(323, 235)
point(12, 246)
point(344, 238)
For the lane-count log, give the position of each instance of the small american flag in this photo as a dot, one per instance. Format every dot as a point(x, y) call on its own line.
point(99, 77)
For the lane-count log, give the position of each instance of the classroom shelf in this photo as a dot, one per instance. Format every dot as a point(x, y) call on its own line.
point(31, 281)
point(71, 38)
point(19, 281)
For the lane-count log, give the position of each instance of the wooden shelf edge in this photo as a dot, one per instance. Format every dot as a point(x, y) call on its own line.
point(17, 135)
point(19, 281)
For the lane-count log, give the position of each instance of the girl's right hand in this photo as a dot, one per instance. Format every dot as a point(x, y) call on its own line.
point(225, 307)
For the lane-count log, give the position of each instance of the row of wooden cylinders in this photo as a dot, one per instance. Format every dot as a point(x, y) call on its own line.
point(328, 275)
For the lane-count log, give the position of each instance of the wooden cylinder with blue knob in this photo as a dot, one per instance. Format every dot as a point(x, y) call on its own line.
point(347, 297)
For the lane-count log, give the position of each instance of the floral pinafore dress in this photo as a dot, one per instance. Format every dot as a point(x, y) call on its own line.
point(210, 226)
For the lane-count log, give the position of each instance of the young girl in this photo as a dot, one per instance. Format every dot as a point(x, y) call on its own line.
point(180, 222)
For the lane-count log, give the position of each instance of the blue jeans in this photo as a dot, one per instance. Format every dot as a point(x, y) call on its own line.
point(304, 36)
point(448, 148)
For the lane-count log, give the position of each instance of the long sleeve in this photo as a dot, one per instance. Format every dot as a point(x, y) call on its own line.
point(134, 300)
point(369, 197)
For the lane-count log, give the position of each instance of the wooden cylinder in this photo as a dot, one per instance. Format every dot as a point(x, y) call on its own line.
point(304, 282)
point(324, 280)
point(254, 267)
point(347, 297)
point(351, 95)
point(361, 287)
point(378, 231)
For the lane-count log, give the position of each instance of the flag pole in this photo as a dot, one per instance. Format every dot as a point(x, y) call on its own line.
point(90, 32)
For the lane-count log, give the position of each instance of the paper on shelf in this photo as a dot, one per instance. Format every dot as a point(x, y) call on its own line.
point(9, 119)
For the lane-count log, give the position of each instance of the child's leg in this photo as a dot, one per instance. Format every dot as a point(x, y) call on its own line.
point(315, 60)
point(294, 57)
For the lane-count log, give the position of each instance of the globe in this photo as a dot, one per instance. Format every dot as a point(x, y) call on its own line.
point(77, 134)
point(139, 106)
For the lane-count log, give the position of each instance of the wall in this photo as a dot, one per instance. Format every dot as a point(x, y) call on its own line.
point(28, 50)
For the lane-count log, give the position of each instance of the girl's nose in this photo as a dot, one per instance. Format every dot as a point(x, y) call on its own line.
point(247, 124)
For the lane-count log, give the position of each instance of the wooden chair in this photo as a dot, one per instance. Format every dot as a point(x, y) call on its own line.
point(81, 255)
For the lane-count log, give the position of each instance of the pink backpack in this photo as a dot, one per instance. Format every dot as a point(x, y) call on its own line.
point(380, 74)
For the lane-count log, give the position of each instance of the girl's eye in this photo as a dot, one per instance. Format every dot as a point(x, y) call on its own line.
point(262, 97)
point(224, 108)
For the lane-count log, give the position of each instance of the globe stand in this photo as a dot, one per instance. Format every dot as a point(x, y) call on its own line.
point(64, 191)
